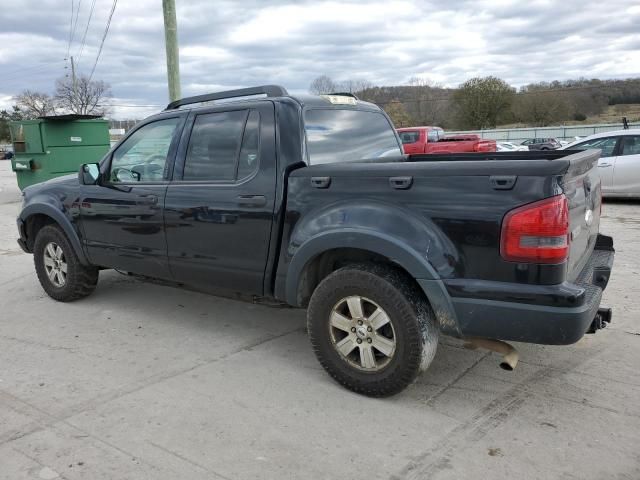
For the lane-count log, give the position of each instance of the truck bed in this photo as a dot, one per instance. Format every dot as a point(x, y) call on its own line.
point(455, 204)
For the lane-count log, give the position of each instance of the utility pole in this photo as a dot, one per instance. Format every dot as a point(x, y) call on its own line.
point(73, 74)
point(171, 44)
point(73, 80)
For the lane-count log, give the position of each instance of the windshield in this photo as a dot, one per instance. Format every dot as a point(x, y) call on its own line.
point(338, 136)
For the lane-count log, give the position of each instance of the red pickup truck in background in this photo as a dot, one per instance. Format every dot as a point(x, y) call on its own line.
point(433, 140)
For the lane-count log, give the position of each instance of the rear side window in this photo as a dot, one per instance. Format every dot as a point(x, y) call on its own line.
point(434, 135)
point(409, 137)
point(221, 148)
point(213, 146)
point(607, 145)
point(340, 135)
point(631, 145)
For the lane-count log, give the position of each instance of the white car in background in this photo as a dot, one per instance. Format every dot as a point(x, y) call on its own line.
point(619, 164)
point(510, 147)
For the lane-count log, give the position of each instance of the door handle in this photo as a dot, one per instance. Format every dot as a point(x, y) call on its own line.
point(252, 200)
point(148, 200)
point(400, 183)
point(320, 182)
point(604, 165)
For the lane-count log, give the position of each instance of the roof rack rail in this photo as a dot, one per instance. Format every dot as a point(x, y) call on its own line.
point(268, 90)
point(344, 94)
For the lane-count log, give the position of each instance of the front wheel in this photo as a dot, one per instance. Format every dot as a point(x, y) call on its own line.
point(59, 270)
point(371, 329)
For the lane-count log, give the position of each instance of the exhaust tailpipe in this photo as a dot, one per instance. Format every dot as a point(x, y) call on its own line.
point(509, 354)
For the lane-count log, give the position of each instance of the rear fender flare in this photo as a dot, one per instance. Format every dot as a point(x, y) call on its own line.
point(413, 262)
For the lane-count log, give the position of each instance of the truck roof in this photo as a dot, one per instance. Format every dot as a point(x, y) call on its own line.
point(273, 92)
point(424, 127)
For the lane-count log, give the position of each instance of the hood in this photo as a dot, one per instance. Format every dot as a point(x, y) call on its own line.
point(63, 181)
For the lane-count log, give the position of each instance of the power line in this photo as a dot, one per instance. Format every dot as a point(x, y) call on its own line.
point(75, 23)
point(104, 37)
point(86, 29)
point(24, 69)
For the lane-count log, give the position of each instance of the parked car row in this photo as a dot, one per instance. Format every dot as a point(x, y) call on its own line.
point(542, 144)
point(619, 164)
point(431, 139)
point(511, 147)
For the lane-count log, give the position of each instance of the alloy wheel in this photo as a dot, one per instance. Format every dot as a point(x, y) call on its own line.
point(55, 264)
point(362, 333)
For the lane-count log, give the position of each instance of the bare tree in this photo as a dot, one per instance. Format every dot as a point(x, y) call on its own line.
point(35, 104)
point(83, 97)
point(353, 86)
point(321, 85)
point(540, 109)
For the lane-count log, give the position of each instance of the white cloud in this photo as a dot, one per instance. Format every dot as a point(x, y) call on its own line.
point(228, 44)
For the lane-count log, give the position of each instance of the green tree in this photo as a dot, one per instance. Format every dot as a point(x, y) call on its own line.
point(482, 102)
point(540, 109)
point(7, 116)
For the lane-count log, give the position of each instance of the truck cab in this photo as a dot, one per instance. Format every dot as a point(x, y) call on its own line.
point(418, 140)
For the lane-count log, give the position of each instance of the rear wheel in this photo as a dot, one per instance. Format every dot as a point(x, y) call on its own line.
point(371, 329)
point(59, 270)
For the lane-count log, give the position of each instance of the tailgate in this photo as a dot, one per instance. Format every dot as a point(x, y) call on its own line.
point(581, 184)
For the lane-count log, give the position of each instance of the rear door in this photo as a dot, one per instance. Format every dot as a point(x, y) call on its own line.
point(219, 206)
point(608, 147)
point(412, 141)
point(626, 171)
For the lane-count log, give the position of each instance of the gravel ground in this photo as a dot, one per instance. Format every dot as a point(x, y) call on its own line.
point(147, 381)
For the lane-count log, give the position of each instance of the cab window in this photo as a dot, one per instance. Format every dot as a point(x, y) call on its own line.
point(607, 145)
point(409, 137)
point(432, 136)
point(143, 156)
point(223, 147)
point(631, 145)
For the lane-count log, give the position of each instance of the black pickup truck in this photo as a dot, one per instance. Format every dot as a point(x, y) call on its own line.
point(308, 201)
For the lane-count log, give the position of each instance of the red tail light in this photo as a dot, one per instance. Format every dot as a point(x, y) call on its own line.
point(537, 233)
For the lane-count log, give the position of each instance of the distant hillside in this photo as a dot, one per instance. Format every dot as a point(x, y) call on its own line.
point(539, 104)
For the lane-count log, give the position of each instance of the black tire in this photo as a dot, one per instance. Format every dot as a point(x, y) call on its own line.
point(80, 280)
point(414, 328)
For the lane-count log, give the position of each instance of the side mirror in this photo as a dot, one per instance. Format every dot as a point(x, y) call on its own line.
point(89, 174)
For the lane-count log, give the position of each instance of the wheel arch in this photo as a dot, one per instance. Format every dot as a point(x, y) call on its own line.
point(36, 216)
point(325, 253)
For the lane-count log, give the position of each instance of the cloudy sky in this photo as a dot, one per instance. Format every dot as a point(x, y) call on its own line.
point(229, 44)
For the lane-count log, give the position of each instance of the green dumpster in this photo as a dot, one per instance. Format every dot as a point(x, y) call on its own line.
point(49, 147)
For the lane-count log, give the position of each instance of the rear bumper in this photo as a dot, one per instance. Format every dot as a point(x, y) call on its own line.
point(545, 314)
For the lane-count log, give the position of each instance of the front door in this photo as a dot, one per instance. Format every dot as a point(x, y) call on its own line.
point(219, 208)
point(122, 218)
point(626, 174)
